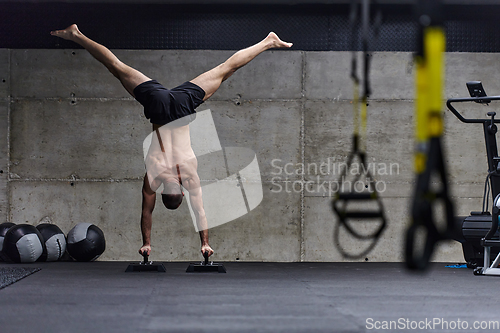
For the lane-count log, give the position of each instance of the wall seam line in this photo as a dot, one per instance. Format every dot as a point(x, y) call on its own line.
point(9, 106)
point(302, 155)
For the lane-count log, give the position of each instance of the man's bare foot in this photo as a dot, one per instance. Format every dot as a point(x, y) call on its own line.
point(207, 248)
point(145, 248)
point(276, 42)
point(69, 33)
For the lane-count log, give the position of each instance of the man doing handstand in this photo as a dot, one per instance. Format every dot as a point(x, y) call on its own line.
point(162, 106)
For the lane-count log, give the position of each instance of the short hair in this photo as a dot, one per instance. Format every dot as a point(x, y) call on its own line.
point(172, 195)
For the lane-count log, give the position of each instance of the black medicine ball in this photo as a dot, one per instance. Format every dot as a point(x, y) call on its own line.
point(85, 242)
point(23, 243)
point(4, 227)
point(54, 240)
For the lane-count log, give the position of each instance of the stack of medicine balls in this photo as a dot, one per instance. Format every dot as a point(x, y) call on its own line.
point(23, 243)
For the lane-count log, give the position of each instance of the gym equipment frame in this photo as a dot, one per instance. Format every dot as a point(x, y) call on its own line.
point(478, 222)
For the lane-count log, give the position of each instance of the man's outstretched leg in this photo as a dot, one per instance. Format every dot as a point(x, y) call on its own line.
point(129, 77)
point(210, 81)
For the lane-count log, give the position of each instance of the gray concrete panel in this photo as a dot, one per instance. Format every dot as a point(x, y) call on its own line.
point(465, 67)
point(327, 188)
point(48, 73)
point(389, 141)
point(58, 139)
point(115, 207)
point(272, 75)
point(471, 191)
point(392, 75)
point(271, 129)
point(320, 222)
point(61, 73)
point(465, 149)
point(328, 131)
point(4, 73)
point(268, 233)
point(327, 75)
point(67, 73)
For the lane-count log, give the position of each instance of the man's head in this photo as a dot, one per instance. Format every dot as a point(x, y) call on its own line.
point(172, 195)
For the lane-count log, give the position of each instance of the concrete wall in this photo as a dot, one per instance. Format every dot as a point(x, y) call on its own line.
point(71, 147)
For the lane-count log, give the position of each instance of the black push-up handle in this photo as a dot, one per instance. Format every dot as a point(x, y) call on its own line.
point(145, 256)
point(145, 265)
point(205, 266)
point(205, 254)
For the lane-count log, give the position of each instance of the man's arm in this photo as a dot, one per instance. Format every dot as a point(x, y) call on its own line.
point(148, 205)
point(195, 197)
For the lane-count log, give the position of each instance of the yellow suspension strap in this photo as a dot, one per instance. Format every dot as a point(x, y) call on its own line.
point(424, 232)
point(359, 189)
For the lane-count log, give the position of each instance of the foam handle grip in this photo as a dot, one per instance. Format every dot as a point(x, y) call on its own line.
point(357, 196)
point(205, 254)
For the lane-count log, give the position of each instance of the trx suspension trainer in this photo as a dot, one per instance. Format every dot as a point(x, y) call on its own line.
point(429, 161)
point(353, 219)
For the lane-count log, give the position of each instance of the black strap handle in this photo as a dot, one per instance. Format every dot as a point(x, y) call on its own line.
point(424, 200)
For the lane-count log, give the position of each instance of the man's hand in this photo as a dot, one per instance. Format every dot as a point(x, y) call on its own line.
point(207, 248)
point(147, 249)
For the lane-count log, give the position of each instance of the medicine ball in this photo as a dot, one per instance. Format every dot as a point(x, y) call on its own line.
point(54, 240)
point(23, 243)
point(85, 242)
point(4, 227)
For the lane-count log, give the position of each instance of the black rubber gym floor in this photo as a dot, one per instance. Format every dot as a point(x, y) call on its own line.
point(250, 297)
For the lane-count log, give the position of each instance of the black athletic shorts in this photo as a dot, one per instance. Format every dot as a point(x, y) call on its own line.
point(162, 105)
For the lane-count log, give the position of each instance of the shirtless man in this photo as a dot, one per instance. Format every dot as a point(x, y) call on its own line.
point(163, 106)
